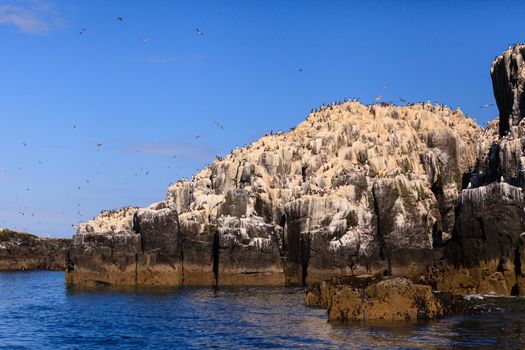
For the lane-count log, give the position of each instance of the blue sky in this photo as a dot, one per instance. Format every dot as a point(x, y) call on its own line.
point(63, 93)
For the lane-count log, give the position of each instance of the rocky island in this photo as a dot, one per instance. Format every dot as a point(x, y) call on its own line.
point(24, 251)
point(417, 191)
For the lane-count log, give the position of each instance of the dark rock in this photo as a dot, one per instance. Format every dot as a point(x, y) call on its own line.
point(508, 82)
point(23, 251)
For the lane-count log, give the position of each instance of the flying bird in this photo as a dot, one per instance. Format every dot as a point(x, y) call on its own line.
point(199, 32)
point(120, 19)
point(25, 145)
point(82, 31)
point(486, 105)
point(402, 99)
point(145, 41)
point(219, 125)
point(300, 70)
point(197, 136)
point(378, 98)
point(99, 145)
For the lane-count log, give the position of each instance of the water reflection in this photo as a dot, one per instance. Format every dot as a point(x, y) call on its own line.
point(38, 311)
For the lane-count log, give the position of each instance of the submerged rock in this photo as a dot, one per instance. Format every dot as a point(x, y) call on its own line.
point(24, 251)
point(375, 298)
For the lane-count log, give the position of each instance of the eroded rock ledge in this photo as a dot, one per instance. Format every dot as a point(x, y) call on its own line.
point(24, 251)
point(377, 298)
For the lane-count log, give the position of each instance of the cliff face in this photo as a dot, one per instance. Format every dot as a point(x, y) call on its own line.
point(349, 191)
point(23, 251)
point(508, 80)
point(487, 248)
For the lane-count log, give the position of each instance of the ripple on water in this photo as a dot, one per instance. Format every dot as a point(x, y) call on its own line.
point(38, 311)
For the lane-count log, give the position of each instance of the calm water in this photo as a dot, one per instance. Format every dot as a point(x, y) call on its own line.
point(38, 312)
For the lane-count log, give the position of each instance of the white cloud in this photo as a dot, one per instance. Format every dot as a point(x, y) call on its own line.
point(31, 17)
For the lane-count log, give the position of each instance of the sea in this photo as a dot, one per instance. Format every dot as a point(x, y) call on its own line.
point(38, 311)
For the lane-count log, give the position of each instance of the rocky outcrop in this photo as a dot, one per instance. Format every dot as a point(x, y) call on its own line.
point(508, 80)
point(373, 298)
point(485, 254)
point(23, 251)
point(348, 191)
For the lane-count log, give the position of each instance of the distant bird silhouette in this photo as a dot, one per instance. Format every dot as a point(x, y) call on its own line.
point(199, 32)
point(147, 172)
point(219, 125)
point(82, 31)
point(300, 70)
point(486, 105)
point(145, 41)
point(197, 136)
point(99, 146)
point(378, 98)
point(120, 19)
point(402, 100)
point(25, 145)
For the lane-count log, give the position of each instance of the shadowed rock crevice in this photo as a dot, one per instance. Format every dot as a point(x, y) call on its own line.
point(215, 254)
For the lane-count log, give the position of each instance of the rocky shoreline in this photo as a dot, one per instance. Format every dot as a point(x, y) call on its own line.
point(413, 193)
point(24, 251)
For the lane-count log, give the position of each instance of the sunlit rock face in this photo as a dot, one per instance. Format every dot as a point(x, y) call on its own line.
point(392, 298)
point(343, 193)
